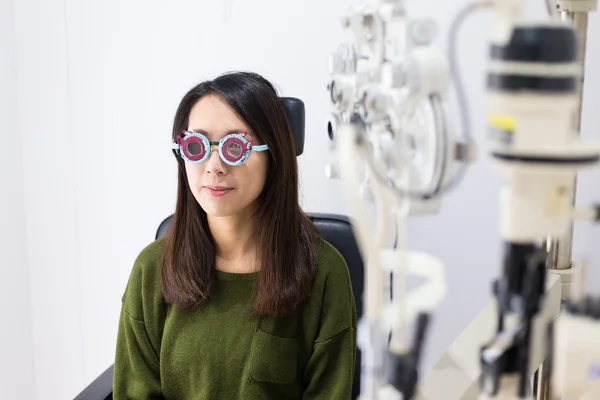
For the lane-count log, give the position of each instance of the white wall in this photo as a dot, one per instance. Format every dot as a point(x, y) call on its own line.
point(99, 83)
point(16, 355)
point(56, 260)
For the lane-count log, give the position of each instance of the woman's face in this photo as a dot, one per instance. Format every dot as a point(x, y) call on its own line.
point(223, 190)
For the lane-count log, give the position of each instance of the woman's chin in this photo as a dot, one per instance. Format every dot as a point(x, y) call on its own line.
point(219, 209)
point(224, 206)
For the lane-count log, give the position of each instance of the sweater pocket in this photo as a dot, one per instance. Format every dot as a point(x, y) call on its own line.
point(273, 359)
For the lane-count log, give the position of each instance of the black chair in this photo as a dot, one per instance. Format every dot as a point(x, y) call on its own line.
point(335, 229)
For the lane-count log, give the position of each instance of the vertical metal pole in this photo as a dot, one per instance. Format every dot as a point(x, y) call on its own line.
point(561, 249)
point(534, 386)
point(542, 388)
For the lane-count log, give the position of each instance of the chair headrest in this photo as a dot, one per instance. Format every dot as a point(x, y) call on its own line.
point(296, 115)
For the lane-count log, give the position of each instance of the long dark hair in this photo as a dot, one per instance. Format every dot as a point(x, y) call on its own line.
point(286, 237)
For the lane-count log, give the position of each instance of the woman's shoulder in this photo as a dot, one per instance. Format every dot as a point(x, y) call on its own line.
point(332, 269)
point(152, 252)
point(143, 285)
point(329, 258)
point(147, 262)
point(332, 301)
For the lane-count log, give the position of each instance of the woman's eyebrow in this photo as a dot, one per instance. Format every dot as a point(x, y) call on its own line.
point(203, 132)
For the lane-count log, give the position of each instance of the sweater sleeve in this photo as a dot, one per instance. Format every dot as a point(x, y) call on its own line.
point(136, 374)
point(330, 369)
point(137, 367)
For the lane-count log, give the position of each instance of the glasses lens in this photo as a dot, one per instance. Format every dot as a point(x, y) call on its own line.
point(233, 150)
point(194, 148)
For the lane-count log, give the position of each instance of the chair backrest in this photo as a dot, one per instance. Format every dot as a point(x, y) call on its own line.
point(296, 116)
point(337, 230)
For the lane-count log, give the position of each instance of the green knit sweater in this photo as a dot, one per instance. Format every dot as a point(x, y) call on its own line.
point(218, 351)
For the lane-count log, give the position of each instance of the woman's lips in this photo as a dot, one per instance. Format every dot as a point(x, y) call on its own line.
point(217, 191)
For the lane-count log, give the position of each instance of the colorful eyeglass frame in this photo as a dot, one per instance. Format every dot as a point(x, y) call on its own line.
point(234, 149)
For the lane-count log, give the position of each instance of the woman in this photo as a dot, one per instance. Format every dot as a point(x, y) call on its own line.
point(242, 299)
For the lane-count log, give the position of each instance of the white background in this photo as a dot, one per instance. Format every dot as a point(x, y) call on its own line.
point(88, 91)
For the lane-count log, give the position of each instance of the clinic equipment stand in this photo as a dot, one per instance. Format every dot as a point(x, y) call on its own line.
point(560, 250)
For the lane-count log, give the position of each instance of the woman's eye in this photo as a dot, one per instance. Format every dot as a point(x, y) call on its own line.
point(194, 148)
point(234, 150)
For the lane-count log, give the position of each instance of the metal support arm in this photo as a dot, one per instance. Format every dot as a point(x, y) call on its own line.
point(457, 373)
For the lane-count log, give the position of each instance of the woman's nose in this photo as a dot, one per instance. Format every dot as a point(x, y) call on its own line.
point(214, 164)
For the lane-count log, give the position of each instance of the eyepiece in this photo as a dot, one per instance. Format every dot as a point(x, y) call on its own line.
point(333, 123)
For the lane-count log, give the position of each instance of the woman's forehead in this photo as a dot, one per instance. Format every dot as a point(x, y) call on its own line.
point(211, 115)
